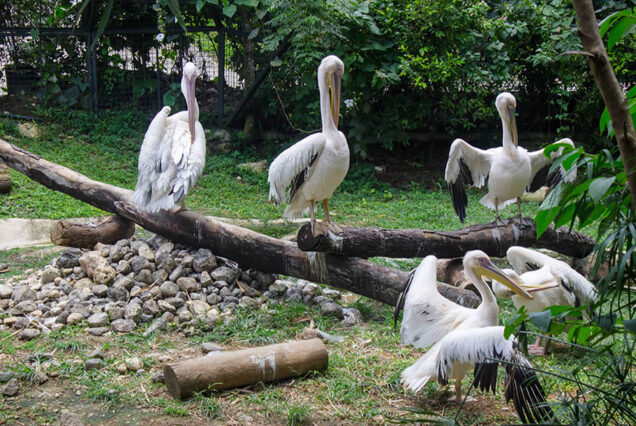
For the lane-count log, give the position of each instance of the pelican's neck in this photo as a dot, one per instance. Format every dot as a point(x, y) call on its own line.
point(328, 124)
point(508, 145)
point(195, 106)
point(488, 300)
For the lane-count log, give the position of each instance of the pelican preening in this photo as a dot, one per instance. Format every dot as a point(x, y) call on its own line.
point(558, 282)
point(316, 165)
point(462, 337)
point(172, 155)
point(510, 169)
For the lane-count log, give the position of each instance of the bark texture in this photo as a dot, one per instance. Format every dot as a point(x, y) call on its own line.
point(5, 179)
point(250, 249)
point(492, 238)
point(610, 89)
point(107, 230)
point(226, 370)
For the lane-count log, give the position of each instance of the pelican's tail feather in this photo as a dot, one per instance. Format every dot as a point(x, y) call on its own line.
point(488, 201)
point(424, 369)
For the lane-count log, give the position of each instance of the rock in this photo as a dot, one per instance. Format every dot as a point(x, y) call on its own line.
point(150, 307)
point(83, 283)
point(331, 293)
point(22, 293)
point(208, 347)
point(351, 316)
point(157, 377)
point(125, 282)
point(205, 279)
point(197, 307)
point(184, 315)
point(137, 263)
point(158, 324)
point(294, 294)
point(187, 284)
point(226, 274)
point(144, 276)
point(29, 129)
point(159, 276)
point(11, 389)
point(24, 307)
point(49, 274)
point(213, 299)
point(178, 272)
point(5, 291)
point(5, 376)
point(29, 334)
point(122, 368)
point(204, 260)
point(97, 331)
point(90, 260)
point(115, 311)
point(74, 318)
point(123, 267)
point(118, 293)
point(133, 310)
point(331, 309)
point(69, 259)
point(70, 419)
point(134, 364)
point(169, 289)
point(166, 307)
point(146, 252)
point(100, 290)
point(93, 364)
point(123, 325)
point(166, 262)
point(278, 288)
point(104, 274)
point(99, 319)
point(255, 166)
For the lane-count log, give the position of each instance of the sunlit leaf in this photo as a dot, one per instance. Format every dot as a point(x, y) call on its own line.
point(229, 10)
point(598, 187)
point(623, 25)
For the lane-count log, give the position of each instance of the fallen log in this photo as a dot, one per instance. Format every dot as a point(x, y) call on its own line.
point(106, 230)
point(250, 249)
point(5, 179)
point(227, 370)
point(492, 238)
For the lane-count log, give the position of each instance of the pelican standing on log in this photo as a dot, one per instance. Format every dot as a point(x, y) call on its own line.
point(510, 169)
point(316, 165)
point(462, 337)
point(558, 282)
point(172, 155)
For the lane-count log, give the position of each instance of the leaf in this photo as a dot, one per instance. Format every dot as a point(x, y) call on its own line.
point(623, 26)
point(541, 320)
point(277, 62)
point(250, 3)
point(599, 187)
point(604, 122)
point(169, 99)
point(229, 10)
point(630, 325)
point(173, 5)
point(253, 33)
point(103, 21)
point(199, 5)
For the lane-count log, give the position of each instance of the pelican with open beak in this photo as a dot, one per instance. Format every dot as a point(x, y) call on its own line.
point(315, 166)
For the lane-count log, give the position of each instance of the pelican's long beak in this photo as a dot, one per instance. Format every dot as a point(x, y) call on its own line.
point(532, 288)
point(190, 99)
point(334, 90)
point(493, 272)
point(512, 126)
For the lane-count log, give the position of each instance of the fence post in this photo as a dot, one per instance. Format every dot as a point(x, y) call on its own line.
point(92, 71)
point(221, 78)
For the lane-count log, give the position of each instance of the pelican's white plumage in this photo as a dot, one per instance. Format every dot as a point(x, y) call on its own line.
point(462, 337)
point(569, 288)
point(172, 155)
point(315, 166)
point(509, 169)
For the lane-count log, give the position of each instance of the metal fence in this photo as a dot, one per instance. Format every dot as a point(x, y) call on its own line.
point(55, 65)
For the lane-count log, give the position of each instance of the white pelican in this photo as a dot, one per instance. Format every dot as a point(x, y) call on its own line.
point(172, 155)
point(510, 169)
point(462, 337)
point(537, 270)
point(316, 165)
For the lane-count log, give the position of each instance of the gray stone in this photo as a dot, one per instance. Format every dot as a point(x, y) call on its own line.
point(278, 288)
point(24, 307)
point(123, 267)
point(166, 262)
point(208, 347)
point(331, 293)
point(166, 307)
point(178, 272)
point(11, 389)
point(115, 311)
point(248, 301)
point(69, 259)
point(137, 263)
point(158, 324)
point(104, 273)
point(134, 364)
point(226, 274)
point(220, 284)
point(187, 284)
point(70, 419)
point(294, 294)
point(97, 331)
point(213, 299)
point(150, 307)
point(169, 289)
point(147, 252)
point(351, 316)
point(144, 276)
point(74, 318)
point(159, 276)
point(123, 325)
point(21, 293)
point(99, 319)
point(197, 307)
point(204, 260)
point(331, 309)
point(116, 253)
point(168, 317)
point(100, 290)
point(83, 283)
point(157, 377)
point(264, 280)
point(133, 310)
point(175, 301)
point(5, 291)
point(29, 333)
point(93, 364)
point(205, 279)
point(166, 247)
point(311, 289)
point(5, 376)
point(49, 275)
point(118, 293)
point(125, 282)
point(186, 261)
point(225, 292)
point(184, 315)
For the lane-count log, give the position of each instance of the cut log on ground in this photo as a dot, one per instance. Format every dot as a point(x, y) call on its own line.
point(492, 238)
point(227, 370)
point(250, 249)
point(5, 179)
point(106, 230)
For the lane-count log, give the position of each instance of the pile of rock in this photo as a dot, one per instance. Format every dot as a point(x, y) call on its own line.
point(118, 287)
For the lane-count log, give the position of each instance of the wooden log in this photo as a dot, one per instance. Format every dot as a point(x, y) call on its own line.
point(106, 230)
point(250, 249)
point(5, 179)
point(492, 238)
point(226, 370)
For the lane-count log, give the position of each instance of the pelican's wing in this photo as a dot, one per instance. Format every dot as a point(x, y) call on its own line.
point(540, 166)
point(484, 347)
point(293, 165)
point(523, 259)
point(189, 161)
point(428, 316)
point(466, 166)
point(146, 166)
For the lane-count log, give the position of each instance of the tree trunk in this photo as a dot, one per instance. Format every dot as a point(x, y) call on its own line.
point(106, 230)
point(611, 91)
point(226, 370)
point(492, 238)
point(5, 179)
point(250, 249)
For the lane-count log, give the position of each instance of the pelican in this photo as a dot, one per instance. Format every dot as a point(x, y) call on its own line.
point(510, 169)
point(317, 164)
point(462, 337)
point(560, 284)
point(172, 155)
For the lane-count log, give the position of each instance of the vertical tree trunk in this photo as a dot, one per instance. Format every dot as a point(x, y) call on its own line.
point(611, 91)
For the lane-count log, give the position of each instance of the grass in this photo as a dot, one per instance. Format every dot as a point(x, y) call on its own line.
point(361, 384)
